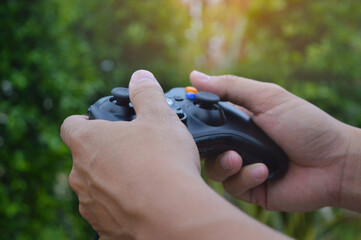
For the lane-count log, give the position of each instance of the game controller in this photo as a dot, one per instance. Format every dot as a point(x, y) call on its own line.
point(216, 126)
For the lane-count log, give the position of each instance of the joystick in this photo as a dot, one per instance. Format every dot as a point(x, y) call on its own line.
point(216, 126)
point(207, 100)
point(121, 96)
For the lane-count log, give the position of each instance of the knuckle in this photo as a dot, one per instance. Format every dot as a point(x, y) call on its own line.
point(275, 90)
point(65, 123)
point(75, 182)
point(65, 129)
point(227, 84)
point(275, 87)
point(84, 212)
point(73, 132)
point(78, 136)
point(230, 79)
point(70, 126)
point(272, 96)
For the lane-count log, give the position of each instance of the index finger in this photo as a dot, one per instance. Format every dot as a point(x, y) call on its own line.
point(258, 97)
point(70, 124)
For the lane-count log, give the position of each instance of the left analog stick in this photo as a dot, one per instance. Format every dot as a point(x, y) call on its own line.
point(121, 96)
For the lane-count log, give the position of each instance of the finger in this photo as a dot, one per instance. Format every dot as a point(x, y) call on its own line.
point(69, 126)
point(247, 178)
point(257, 97)
point(147, 96)
point(224, 166)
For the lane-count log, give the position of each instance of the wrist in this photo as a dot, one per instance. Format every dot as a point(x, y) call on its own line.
point(186, 208)
point(350, 192)
point(165, 202)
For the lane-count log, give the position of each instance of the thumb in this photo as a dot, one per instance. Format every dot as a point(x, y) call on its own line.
point(258, 97)
point(147, 96)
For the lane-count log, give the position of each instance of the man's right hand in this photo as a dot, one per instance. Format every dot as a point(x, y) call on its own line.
point(324, 153)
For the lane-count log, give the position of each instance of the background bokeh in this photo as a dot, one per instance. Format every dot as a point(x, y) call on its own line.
point(59, 56)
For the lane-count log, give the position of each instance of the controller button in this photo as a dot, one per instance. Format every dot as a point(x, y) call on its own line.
point(191, 96)
point(121, 95)
point(182, 116)
point(170, 101)
point(178, 98)
point(191, 90)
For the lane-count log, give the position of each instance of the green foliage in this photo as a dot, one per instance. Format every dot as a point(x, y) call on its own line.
point(36, 67)
point(311, 47)
point(54, 56)
point(126, 36)
point(58, 56)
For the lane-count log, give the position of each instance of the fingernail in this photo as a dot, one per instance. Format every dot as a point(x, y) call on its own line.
point(258, 173)
point(201, 76)
point(142, 75)
point(226, 163)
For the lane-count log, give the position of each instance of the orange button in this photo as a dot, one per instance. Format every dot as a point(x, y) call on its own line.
point(191, 89)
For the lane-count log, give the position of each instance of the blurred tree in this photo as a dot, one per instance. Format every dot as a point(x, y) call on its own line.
point(45, 75)
point(54, 56)
point(311, 47)
point(128, 35)
point(58, 56)
point(313, 44)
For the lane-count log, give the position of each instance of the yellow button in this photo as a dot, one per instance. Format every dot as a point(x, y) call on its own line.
point(191, 89)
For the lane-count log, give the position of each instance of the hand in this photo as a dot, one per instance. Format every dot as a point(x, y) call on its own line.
point(317, 145)
point(141, 179)
point(129, 166)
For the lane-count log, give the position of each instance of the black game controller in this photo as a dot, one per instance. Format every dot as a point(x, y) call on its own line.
point(216, 126)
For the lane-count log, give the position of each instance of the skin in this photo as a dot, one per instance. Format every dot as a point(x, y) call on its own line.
point(141, 179)
point(324, 153)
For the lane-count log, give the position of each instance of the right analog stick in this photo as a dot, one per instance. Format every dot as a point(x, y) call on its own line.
point(206, 100)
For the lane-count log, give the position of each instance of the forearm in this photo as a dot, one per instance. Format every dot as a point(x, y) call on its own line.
point(188, 209)
point(351, 178)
